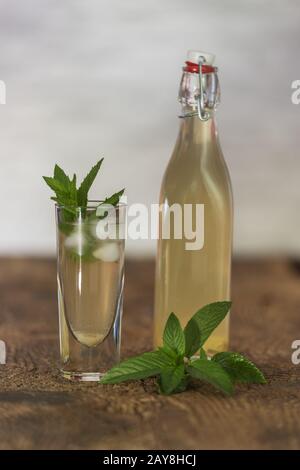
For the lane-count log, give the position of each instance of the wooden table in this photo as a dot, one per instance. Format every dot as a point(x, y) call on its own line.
point(38, 410)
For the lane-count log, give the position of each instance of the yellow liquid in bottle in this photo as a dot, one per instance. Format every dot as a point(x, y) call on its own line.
point(186, 280)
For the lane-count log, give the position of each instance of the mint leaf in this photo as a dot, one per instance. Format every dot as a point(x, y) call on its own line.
point(169, 353)
point(114, 199)
point(170, 379)
point(209, 317)
point(192, 336)
point(73, 190)
point(182, 386)
point(82, 193)
point(64, 188)
point(239, 368)
point(203, 354)
point(61, 176)
point(212, 373)
point(55, 185)
point(173, 336)
point(139, 367)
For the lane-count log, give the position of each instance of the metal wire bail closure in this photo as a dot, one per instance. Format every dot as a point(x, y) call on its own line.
point(199, 98)
point(202, 114)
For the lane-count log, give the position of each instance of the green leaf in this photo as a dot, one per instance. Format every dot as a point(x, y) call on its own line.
point(169, 353)
point(115, 198)
point(192, 336)
point(56, 185)
point(239, 368)
point(67, 201)
point(138, 367)
point(73, 190)
point(203, 354)
point(64, 188)
point(209, 317)
point(61, 176)
point(212, 373)
point(170, 379)
point(173, 336)
point(182, 386)
point(82, 193)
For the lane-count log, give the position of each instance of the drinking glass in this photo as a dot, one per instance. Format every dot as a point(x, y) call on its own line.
point(90, 277)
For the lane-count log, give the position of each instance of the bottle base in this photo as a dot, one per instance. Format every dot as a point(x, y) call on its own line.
point(81, 376)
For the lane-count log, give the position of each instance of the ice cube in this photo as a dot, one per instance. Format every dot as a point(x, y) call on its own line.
point(108, 252)
point(76, 241)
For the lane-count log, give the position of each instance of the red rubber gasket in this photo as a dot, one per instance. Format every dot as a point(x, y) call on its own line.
point(194, 68)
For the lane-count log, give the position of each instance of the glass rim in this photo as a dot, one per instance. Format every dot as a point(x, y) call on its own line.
point(92, 204)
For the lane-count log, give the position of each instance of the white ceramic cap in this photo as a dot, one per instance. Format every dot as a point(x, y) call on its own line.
point(193, 56)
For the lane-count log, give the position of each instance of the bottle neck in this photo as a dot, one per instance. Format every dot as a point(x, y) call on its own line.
point(199, 93)
point(193, 130)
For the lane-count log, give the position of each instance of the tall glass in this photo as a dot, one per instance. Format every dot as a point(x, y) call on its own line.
point(90, 276)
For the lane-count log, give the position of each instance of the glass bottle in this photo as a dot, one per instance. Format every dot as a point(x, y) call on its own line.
point(187, 279)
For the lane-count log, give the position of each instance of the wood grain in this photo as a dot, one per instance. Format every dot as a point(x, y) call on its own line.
point(38, 410)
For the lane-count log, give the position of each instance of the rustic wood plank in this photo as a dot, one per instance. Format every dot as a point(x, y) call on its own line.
point(38, 410)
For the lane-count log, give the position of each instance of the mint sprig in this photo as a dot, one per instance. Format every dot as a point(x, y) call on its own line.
point(69, 196)
point(74, 200)
point(175, 365)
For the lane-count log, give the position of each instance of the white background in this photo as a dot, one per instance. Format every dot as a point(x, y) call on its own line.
point(100, 78)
